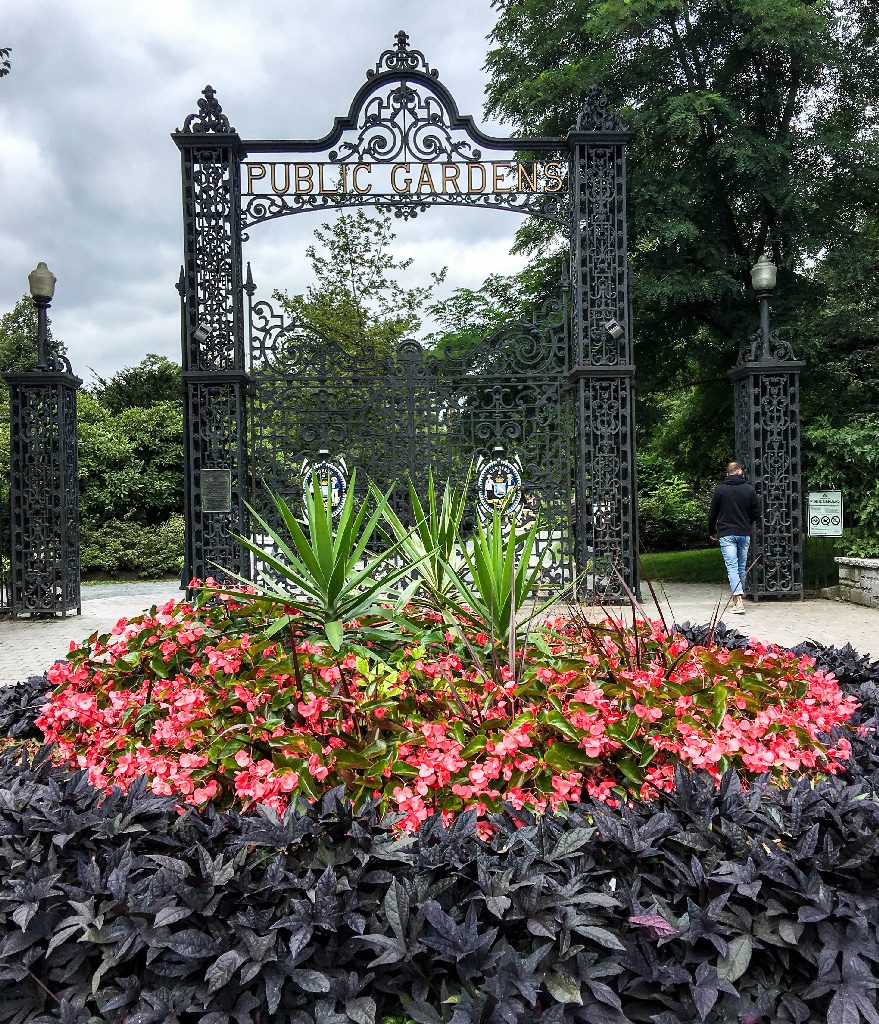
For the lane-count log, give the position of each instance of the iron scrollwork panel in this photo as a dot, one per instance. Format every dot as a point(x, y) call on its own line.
point(212, 259)
point(213, 341)
point(606, 500)
point(599, 265)
point(768, 442)
point(44, 494)
point(395, 417)
point(217, 416)
point(543, 206)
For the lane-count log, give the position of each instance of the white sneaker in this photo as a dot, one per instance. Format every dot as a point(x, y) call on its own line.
point(738, 608)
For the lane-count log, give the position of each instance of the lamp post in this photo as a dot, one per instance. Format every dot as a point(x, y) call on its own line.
point(44, 485)
point(42, 286)
point(764, 275)
point(766, 383)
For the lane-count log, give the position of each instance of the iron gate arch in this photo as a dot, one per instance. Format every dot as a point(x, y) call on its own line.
point(265, 395)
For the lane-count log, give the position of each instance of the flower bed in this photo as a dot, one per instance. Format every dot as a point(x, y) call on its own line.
point(604, 823)
point(709, 904)
point(199, 700)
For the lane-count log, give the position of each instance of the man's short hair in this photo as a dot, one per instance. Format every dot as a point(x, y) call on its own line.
point(735, 467)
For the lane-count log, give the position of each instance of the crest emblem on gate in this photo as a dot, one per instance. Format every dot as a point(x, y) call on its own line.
point(499, 485)
point(332, 479)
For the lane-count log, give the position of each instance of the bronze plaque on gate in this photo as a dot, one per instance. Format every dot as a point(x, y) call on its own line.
point(216, 490)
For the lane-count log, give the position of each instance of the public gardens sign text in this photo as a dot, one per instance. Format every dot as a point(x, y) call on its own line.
point(476, 177)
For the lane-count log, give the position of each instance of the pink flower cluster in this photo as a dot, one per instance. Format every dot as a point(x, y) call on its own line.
point(196, 698)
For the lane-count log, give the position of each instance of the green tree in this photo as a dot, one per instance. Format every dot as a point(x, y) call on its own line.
point(131, 488)
point(469, 315)
point(130, 462)
point(18, 337)
point(155, 379)
point(358, 300)
point(755, 131)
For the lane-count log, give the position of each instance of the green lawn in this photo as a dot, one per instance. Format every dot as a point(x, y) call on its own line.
point(705, 565)
point(701, 566)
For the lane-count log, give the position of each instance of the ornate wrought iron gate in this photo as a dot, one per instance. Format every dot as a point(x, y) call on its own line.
point(395, 418)
point(555, 395)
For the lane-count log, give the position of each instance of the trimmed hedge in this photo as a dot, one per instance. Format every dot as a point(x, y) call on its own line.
point(116, 547)
point(714, 905)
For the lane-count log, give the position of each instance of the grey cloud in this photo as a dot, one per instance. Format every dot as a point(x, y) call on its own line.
point(89, 179)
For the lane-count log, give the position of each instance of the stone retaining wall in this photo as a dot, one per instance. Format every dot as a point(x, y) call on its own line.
point(859, 580)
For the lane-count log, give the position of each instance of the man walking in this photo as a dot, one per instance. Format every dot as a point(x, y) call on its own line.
point(734, 510)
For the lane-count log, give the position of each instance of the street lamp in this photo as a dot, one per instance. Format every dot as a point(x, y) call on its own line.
point(42, 286)
point(764, 275)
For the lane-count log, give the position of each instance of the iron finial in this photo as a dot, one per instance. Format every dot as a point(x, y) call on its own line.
point(209, 117)
point(249, 286)
point(401, 58)
point(596, 115)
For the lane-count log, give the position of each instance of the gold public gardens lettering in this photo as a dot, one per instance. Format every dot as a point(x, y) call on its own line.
point(403, 179)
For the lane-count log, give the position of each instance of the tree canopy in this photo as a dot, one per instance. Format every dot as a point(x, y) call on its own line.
point(155, 379)
point(357, 299)
point(755, 131)
point(18, 337)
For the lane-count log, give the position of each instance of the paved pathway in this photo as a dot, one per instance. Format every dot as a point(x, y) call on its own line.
point(28, 647)
point(781, 622)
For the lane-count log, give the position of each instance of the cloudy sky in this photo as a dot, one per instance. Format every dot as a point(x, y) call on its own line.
point(89, 178)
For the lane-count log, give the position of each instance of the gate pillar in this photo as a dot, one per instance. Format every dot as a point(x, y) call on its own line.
point(766, 393)
point(603, 373)
point(43, 471)
point(214, 371)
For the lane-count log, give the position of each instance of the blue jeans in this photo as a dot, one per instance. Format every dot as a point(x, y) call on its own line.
point(735, 556)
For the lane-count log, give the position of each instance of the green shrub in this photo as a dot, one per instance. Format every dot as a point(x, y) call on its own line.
point(846, 457)
point(130, 463)
point(123, 546)
point(672, 518)
point(672, 512)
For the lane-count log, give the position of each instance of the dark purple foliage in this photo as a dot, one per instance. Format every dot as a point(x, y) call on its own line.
point(714, 905)
point(20, 704)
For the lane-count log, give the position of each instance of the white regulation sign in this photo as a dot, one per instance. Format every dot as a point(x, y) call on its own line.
point(825, 513)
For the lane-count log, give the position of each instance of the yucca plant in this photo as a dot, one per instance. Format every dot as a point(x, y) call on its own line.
point(433, 544)
point(501, 578)
point(321, 571)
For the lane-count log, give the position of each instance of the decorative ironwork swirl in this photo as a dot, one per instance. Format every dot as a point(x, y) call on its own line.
point(44, 497)
point(596, 115)
point(209, 117)
point(394, 416)
point(402, 123)
point(759, 348)
point(55, 358)
point(513, 351)
point(598, 254)
point(549, 206)
point(212, 178)
point(768, 442)
point(401, 58)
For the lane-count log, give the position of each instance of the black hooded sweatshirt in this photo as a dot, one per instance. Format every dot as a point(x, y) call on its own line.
point(735, 508)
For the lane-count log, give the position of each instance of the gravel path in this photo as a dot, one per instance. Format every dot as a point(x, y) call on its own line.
point(28, 647)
